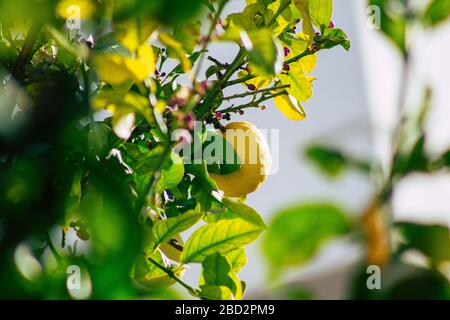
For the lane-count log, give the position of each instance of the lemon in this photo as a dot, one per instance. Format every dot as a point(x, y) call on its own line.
point(173, 248)
point(252, 150)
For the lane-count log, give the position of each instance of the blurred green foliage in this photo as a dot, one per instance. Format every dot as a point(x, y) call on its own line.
point(412, 258)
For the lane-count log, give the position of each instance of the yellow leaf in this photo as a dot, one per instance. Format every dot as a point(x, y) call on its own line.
point(290, 107)
point(160, 106)
point(303, 8)
point(147, 57)
point(119, 100)
point(116, 69)
point(112, 68)
point(299, 86)
point(83, 9)
point(308, 63)
point(259, 81)
point(129, 35)
point(177, 48)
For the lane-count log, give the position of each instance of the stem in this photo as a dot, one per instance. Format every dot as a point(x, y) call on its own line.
point(253, 104)
point(209, 102)
point(279, 11)
point(252, 76)
point(240, 80)
point(53, 249)
point(245, 94)
point(172, 275)
point(235, 65)
point(300, 56)
point(26, 52)
point(87, 86)
point(208, 38)
point(216, 62)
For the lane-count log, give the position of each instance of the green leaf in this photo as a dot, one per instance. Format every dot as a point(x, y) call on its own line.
point(408, 161)
point(216, 293)
point(401, 281)
point(263, 53)
point(222, 236)
point(426, 285)
point(201, 195)
point(192, 58)
point(188, 34)
point(177, 49)
point(320, 11)
point(212, 70)
point(145, 271)
point(333, 162)
point(296, 234)
point(107, 44)
point(392, 24)
point(237, 259)
point(303, 8)
point(332, 37)
point(216, 151)
point(432, 240)
point(164, 230)
point(251, 18)
point(437, 12)
point(300, 86)
point(244, 211)
point(201, 172)
point(172, 175)
point(278, 16)
point(171, 12)
point(296, 43)
point(217, 271)
point(329, 161)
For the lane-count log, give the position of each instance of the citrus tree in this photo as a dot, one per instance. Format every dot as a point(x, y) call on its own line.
point(105, 106)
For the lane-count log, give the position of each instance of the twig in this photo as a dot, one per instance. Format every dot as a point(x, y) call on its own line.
point(252, 76)
point(172, 275)
point(245, 94)
point(209, 102)
point(253, 104)
point(216, 62)
point(26, 52)
point(53, 249)
point(279, 11)
point(207, 40)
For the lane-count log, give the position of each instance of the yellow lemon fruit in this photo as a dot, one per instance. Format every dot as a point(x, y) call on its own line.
point(173, 248)
point(251, 147)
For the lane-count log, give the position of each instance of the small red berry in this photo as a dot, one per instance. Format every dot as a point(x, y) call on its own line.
point(286, 67)
point(251, 87)
point(331, 25)
point(286, 51)
point(218, 115)
point(241, 112)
